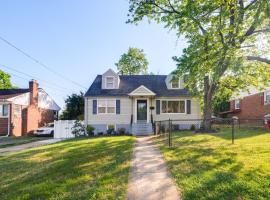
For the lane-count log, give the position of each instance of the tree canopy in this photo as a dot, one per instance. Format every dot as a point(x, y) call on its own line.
point(227, 42)
point(74, 108)
point(133, 62)
point(5, 82)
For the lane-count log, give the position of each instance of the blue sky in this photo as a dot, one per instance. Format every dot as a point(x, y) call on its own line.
point(78, 39)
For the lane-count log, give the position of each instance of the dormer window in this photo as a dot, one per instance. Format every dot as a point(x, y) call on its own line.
point(175, 83)
point(109, 82)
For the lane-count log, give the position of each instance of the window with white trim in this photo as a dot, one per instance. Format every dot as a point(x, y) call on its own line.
point(4, 110)
point(109, 82)
point(267, 97)
point(175, 83)
point(106, 106)
point(173, 106)
point(237, 104)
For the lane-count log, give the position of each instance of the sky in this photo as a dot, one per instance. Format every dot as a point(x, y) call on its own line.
point(78, 39)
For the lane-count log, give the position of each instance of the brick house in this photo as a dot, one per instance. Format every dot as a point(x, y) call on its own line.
point(22, 111)
point(253, 105)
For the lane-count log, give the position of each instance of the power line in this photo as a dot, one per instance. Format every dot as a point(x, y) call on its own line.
point(40, 63)
point(33, 77)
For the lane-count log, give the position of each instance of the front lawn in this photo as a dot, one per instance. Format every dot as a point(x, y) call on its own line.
point(13, 141)
point(208, 166)
point(74, 169)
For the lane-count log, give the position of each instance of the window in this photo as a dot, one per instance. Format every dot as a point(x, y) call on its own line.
point(106, 106)
point(173, 106)
point(109, 82)
point(267, 97)
point(4, 110)
point(175, 83)
point(237, 104)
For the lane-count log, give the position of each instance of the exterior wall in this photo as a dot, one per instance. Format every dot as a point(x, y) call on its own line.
point(250, 107)
point(17, 120)
point(128, 107)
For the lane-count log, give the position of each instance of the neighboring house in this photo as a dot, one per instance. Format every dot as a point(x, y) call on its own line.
point(22, 111)
point(135, 102)
point(249, 105)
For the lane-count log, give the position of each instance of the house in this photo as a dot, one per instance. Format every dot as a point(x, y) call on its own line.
point(22, 111)
point(135, 102)
point(254, 104)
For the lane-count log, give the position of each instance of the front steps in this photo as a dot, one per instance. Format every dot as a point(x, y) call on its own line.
point(142, 128)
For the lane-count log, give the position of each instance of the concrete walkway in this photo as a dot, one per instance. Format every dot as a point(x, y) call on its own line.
point(12, 149)
point(149, 178)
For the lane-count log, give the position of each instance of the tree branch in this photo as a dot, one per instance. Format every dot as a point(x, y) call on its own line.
point(257, 58)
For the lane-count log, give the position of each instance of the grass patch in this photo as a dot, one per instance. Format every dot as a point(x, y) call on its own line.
point(74, 169)
point(208, 166)
point(13, 141)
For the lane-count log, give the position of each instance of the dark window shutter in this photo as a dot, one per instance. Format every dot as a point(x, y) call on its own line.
point(94, 107)
point(188, 106)
point(157, 107)
point(118, 107)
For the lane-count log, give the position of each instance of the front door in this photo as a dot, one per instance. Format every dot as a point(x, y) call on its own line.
point(142, 110)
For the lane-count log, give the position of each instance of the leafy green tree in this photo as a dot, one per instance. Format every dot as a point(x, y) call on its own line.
point(227, 43)
point(74, 107)
point(133, 62)
point(5, 82)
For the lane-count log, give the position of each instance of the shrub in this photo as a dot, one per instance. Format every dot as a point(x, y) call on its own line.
point(193, 127)
point(111, 129)
point(100, 133)
point(78, 129)
point(90, 130)
point(122, 131)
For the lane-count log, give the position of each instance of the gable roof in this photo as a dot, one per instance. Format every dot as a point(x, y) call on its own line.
point(128, 83)
point(142, 90)
point(9, 93)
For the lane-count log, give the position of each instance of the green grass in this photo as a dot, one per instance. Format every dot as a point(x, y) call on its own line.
point(75, 169)
point(13, 141)
point(208, 166)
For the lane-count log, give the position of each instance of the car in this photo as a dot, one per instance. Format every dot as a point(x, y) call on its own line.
point(47, 130)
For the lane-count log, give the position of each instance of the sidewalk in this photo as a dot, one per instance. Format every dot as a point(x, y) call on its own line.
point(21, 147)
point(149, 178)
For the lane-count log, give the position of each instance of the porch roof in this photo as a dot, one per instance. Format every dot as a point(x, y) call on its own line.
point(142, 91)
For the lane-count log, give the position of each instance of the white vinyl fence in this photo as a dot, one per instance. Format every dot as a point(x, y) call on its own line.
point(63, 129)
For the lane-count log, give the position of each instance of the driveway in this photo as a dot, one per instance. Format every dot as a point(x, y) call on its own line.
point(149, 177)
point(21, 147)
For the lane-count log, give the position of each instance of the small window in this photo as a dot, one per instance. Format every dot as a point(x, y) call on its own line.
point(4, 110)
point(106, 106)
point(175, 83)
point(267, 97)
point(111, 106)
point(109, 82)
point(102, 106)
point(237, 104)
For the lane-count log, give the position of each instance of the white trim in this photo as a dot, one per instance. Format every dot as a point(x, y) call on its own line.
point(113, 87)
point(150, 93)
point(184, 113)
point(236, 101)
point(179, 85)
point(1, 112)
point(264, 98)
point(106, 108)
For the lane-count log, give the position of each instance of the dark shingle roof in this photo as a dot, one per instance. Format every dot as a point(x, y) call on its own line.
point(9, 93)
point(128, 83)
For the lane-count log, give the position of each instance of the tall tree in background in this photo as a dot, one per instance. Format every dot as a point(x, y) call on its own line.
point(5, 82)
point(227, 43)
point(74, 107)
point(133, 62)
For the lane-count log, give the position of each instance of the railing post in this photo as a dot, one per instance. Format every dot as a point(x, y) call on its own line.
point(170, 133)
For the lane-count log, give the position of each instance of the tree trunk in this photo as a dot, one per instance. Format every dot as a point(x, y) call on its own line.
point(207, 112)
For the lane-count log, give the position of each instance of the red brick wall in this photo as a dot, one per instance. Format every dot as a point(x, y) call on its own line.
point(3, 126)
point(251, 107)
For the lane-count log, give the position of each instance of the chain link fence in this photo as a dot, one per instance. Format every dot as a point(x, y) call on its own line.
point(168, 130)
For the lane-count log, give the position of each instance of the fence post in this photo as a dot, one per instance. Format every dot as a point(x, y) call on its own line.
point(170, 133)
point(233, 131)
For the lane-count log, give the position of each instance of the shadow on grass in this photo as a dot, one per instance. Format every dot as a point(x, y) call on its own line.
point(74, 169)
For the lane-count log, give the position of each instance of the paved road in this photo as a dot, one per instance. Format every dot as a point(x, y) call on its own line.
point(21, 147)
point(149, 178)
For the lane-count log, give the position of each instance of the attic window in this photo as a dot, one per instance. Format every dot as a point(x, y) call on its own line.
point(109, 82)
point(175, 83)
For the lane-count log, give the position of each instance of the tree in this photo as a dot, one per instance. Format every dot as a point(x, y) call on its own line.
point(133, 62)
point(5, 82)
point(74, 107)
point(224, 51)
